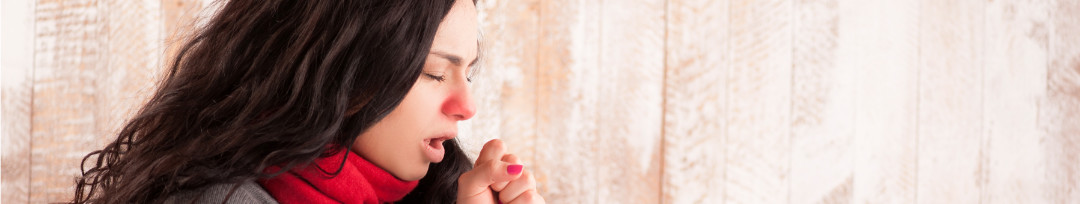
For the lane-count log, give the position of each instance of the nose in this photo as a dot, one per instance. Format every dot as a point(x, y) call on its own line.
point(459, 105)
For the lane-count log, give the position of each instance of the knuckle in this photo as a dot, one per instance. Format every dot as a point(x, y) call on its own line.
point(509, 158)
point(463, 178)
point(529, 195)
point(493, 143)
point(530, 181)
point(505, 198)
point(535, 197)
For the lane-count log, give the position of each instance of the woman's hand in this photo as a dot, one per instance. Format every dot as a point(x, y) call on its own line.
point(497, 173)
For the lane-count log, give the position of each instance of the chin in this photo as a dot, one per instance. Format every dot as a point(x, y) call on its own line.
point(413, 178)
point(415, 175)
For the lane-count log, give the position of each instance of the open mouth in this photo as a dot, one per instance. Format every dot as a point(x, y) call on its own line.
point(433, 148)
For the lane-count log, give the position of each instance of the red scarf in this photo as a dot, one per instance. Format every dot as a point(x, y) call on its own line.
point(359, 182)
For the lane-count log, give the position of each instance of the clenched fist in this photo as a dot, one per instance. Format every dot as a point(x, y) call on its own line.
point(497, 173)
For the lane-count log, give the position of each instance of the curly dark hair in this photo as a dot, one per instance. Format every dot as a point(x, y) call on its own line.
point(272, 83)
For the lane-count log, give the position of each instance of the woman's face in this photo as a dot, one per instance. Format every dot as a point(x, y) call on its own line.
point(407, 140)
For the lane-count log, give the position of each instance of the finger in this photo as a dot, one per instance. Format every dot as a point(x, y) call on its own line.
point(510, 158)
point(516, 187)
point(506, 158)
point(528, 197)
point(479, 180)
point(492, 151)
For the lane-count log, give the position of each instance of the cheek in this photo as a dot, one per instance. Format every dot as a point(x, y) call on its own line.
point(388, 145)
point(403, 124)
point(419, 108)
point(394, 143)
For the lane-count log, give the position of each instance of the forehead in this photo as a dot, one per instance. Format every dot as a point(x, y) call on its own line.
point(457, 33)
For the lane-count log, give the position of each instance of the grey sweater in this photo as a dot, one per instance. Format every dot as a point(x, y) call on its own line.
point(247, 192)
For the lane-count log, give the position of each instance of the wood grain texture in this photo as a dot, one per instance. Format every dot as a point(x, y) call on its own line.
point(1060, 115)
point(652, 101)
point(758, 133)
point(504, 86)
point(135, 51)
point(1014, 83)
point(697, 62)
point(17, 60)
point(70, 57)
point(86, 85)
point(880, 41)
point(823, 121)
point(630, 107)
point(567, 93)
point(950, 154)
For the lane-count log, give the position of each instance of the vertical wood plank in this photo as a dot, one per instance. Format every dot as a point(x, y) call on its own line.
point(17, 54)
point(823, 120)
point(88, 84)
point(885, 101)
point(134, 54)
point(567, 101)
point(950, 152)
point(69, 57)
point(880, 40)
point(504, 86)
point(1060, 115)
point(1014, 82)
point(698, 59)
point(630, 106)
point(758, 114)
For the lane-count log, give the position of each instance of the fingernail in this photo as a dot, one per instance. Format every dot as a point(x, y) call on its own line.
point(514, 169)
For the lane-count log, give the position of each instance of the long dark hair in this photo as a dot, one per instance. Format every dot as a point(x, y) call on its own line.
point(272, 83)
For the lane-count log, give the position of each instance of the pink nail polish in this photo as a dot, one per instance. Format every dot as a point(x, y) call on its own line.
point(514, 169)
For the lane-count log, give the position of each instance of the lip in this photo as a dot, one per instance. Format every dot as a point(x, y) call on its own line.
point(433, 146)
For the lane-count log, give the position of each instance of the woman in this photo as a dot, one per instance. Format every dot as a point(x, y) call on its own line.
point(312, 101)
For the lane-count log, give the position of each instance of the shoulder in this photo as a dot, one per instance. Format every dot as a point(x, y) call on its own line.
point(246, 192)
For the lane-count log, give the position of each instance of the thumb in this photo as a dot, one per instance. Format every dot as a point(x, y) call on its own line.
point(498, 186)
point(478, 180)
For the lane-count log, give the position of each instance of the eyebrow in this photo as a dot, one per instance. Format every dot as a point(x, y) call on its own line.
point(454, 59)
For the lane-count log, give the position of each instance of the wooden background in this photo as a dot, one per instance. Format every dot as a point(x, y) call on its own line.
point(654, 101)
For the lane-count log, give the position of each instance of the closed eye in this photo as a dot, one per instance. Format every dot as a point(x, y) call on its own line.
point(436, 78)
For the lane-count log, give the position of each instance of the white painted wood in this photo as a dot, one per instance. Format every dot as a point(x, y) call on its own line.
point(135, 50)
point(504, 86)
point(695, 93)
point(646, 101)
point(1014, 82)
point(629, 104)
point(879, 40)
point(1059, 115)
point(950, 155)
point(70, 57)
point(823, 94)
point(567, 91)
point(17, 68)
point(758, 155)
point(95, 64)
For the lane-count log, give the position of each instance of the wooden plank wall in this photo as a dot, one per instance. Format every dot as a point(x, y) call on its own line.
point(653, 101)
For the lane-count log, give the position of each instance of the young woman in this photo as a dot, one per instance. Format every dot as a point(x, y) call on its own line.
point(294, 101)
